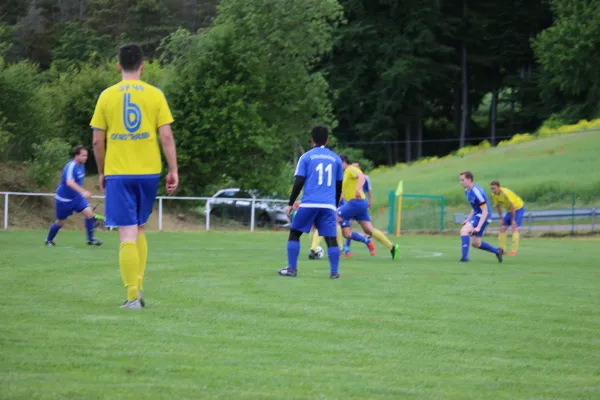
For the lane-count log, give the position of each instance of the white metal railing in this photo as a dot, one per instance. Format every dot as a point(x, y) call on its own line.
point(252, 202)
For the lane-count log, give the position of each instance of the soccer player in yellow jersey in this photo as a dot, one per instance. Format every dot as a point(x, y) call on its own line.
point(128, 120)
point(515, 207)
point(357, 206)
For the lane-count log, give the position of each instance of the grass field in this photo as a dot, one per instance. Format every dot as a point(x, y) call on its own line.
point(544, 172)
point(221, 324)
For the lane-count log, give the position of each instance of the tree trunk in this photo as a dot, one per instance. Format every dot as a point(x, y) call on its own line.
point(465, 86)
point(493, 110)
point(419, 138)
point(407, 144)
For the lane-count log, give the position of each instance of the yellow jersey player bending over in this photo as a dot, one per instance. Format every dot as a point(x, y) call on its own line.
point(515, 207)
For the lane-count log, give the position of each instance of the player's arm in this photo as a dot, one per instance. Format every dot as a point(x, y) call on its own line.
point(484, 214)
point(296, 189)
point(513, 213)
point(499, 210)
point(99, 126)
point(167, 142)
point(99, 144)
point(73, 185)
point(370, 198)
point(468, 217)
point(359, 185)
point(338, 192)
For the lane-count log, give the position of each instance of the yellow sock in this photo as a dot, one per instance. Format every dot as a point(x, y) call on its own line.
point(340, 237)
point(380, 237)
point(142, 247)
point(515, 241)
point(502, 240)
point(315, 241)
point(129, 261)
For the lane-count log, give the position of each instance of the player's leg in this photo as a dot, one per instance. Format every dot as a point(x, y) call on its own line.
point(480, 244)
point(345, 228)
point(516, 236)
point(326, 221)
point(63, 211)
point(121, 211)
point(375, 233)
point(148, 188)
point(302, 223)
point(504, 224)
point(54, 228)
point(90, 222)
point(316, 240)
point(465, 239)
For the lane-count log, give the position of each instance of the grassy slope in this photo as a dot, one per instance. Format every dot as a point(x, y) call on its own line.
point(543, 172)
point(221, 324)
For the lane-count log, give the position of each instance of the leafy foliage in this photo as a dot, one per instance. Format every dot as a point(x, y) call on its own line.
point(48, 158)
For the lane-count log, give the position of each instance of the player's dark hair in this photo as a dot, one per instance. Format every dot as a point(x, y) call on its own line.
point(131, 57)
point(495, 183)
point(345, 159)
point(77, 150)
point(467, 174)
point(319, 135)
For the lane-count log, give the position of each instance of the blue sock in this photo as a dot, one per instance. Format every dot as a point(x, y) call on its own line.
point(293, 251)
point(359, 238)
point(334, 259)
point(348, 242)
point(89, 224)
point(488, 247)
point(53, 231)
point(465, 247)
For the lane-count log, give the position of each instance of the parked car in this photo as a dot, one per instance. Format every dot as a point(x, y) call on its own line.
point(236, 204)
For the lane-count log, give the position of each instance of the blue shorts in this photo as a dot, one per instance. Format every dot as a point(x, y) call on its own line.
point(323, 218)
point(518, 217)
point(475, 221)
point(64, 209)
point(130, 200)
point(355, 209)
point(346, 223)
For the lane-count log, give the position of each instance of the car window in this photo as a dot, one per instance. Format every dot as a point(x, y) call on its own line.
point(243, 195)
point(228, 193)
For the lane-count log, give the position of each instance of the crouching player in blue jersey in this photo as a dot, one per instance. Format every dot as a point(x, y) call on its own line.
point(477, 220)
point(71, 197)
point(320, 172)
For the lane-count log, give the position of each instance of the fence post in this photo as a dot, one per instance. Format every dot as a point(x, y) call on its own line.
point(252, 217)
point(160, 214)
point(573, 214)
point(207, 208)
point(530, 221)
point(392, 198)
point(442, 215)
point(593, 219)
point(6, 211)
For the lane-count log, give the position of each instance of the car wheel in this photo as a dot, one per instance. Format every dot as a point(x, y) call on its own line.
point(263, 220)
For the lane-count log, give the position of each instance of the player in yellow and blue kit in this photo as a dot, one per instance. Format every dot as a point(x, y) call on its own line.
point(478, 219)
point(357, 207)
point(72, 197)
point(129, 118)
point(319, 172)
point(355, 235)
point(515, 210)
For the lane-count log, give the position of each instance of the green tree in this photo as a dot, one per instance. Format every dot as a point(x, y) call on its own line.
point(569, 52)
point(246, 93)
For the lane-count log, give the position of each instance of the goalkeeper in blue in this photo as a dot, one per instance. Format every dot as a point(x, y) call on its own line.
point(72, 197)
point(478, 219)
point(320, 173)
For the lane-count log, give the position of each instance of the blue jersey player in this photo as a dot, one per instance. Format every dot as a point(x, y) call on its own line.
point(320, 172)
point(72, 197)
point(477, 220)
